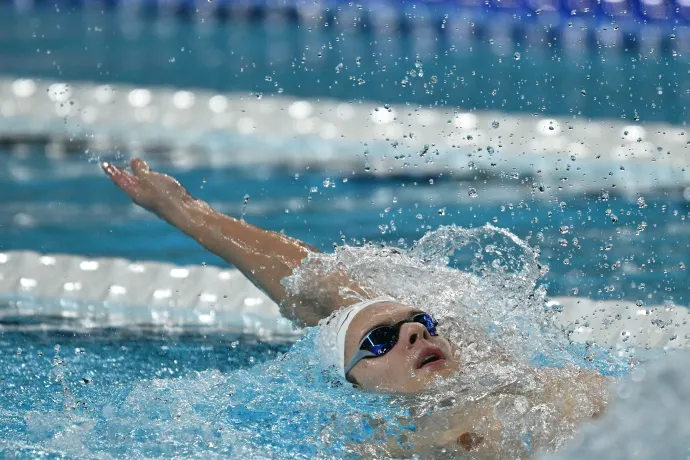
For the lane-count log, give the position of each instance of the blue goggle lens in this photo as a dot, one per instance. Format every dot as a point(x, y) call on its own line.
point(382, 339)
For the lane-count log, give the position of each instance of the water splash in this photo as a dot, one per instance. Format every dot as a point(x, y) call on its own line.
point(492, 310)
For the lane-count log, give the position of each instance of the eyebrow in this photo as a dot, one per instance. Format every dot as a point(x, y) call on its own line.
point(389, 323)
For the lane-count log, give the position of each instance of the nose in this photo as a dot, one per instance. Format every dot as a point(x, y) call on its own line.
point(411, 332)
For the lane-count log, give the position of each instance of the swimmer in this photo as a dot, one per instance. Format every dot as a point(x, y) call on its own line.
point(374, 342)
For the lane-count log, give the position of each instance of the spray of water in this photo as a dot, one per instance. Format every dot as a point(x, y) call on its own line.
point(493, 311)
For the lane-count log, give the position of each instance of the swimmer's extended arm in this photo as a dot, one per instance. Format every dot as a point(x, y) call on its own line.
point(263, 256)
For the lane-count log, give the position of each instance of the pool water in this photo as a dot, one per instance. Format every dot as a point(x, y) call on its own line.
point(50, 380)
point(108, 364)
point(119, 393)
point(69, 206)
point(554, 74)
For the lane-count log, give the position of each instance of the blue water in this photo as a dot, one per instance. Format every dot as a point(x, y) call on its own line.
point(132, 386)
point(68, 206)
point(150, 395)
point(474, 70)
point(62, 376)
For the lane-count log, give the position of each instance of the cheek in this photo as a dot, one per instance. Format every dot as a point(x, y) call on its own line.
point(382, 369)
point(401, 360)
point(444, 344)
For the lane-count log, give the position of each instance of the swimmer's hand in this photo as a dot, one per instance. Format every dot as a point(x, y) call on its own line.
point(159, 193)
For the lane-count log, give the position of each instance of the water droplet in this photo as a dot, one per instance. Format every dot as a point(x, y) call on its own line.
point(516, 56)
point(339, 67)
point(583, 92)
point(472, 192)
point(564, 229)
point(442, 212)
point(494, 124)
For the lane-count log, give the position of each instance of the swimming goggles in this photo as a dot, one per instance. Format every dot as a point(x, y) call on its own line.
point(382, 339)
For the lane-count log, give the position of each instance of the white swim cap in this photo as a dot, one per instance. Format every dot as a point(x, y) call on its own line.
point(332, 332)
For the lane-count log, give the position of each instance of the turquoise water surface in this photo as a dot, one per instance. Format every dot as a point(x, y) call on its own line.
point(158, 394)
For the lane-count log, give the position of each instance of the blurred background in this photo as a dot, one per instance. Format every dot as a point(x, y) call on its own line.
point(343, 122)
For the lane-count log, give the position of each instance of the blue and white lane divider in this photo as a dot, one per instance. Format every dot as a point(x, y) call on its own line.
point(95, 293)
point(198, 128)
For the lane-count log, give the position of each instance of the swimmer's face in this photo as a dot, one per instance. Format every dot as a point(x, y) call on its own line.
point(416, 360)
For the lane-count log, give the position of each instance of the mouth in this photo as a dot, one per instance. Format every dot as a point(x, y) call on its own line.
point(430, 357)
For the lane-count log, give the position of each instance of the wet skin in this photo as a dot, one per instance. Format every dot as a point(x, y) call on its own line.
point(416, 360)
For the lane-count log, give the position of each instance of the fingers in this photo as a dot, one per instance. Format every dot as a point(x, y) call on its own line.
point(140, 168)
point(123, 179)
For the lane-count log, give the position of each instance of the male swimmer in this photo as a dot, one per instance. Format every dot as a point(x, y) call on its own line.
point(374, 342)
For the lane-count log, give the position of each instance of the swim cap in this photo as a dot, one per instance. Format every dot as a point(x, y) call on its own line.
point(332, 332)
